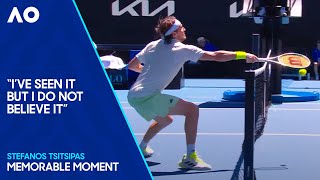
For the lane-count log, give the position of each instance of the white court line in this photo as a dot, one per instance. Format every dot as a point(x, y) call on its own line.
point(186, 98)
point(298, 103)
point(293, 109)
point(273, 109)
point(233, 134)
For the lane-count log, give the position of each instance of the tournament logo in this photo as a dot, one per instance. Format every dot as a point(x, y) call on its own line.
point(30, 15)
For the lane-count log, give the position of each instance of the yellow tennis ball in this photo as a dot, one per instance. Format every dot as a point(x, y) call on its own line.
point(302, 72)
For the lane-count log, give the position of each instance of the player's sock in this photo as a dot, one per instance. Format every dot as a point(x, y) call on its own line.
point(143, 144)
point(190, 149)
point(146, 150)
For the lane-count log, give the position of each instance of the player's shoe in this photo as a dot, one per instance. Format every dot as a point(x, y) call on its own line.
point(147, 152)
point(193, 162)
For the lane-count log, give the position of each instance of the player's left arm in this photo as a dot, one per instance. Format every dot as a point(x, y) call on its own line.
point(135, 65)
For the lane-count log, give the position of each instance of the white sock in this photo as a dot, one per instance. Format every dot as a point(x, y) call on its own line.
point(190, 149)
point(143, 144)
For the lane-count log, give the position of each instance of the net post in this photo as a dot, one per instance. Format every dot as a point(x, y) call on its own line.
point(256, 44)
point(249, 136)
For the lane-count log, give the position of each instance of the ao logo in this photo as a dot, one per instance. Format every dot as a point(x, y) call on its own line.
point(15, 15)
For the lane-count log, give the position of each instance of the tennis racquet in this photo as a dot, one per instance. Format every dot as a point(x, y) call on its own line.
point(292, 60)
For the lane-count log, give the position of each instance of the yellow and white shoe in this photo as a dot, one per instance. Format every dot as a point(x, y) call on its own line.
point(147, 152)
point(193, 162)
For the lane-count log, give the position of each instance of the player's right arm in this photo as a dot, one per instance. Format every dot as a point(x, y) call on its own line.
point(135, 65)
point(223, 56)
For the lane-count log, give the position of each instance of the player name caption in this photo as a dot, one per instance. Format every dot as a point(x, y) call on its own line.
point(63, 166)
point(57, 162)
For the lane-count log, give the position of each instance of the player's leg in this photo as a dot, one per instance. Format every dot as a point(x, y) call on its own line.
point(156, 107)
point(181, 107)
point(157, 126)
point(154, 128)
point(191, 113)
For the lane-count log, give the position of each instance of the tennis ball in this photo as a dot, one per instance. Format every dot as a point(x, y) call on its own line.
point(302, 72)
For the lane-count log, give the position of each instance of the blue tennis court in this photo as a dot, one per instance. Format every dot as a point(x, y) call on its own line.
point(289, 148)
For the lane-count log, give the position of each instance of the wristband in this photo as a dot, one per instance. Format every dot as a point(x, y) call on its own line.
point(241, 55)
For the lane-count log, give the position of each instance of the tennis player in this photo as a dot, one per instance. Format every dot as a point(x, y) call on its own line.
point(162, 60)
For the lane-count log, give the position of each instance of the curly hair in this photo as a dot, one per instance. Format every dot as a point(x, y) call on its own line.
point(163, 26)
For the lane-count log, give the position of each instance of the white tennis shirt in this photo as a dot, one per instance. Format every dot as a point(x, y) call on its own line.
point(162, 63)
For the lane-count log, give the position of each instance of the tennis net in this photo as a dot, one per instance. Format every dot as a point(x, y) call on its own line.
point(258, 100)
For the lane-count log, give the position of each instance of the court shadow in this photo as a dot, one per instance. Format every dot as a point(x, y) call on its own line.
point(281, 168)
point(186, 172)
point(222, 104)
point(150, 163)
point(238, 174)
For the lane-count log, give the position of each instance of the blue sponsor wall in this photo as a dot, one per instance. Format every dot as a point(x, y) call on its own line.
point(120, 22)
